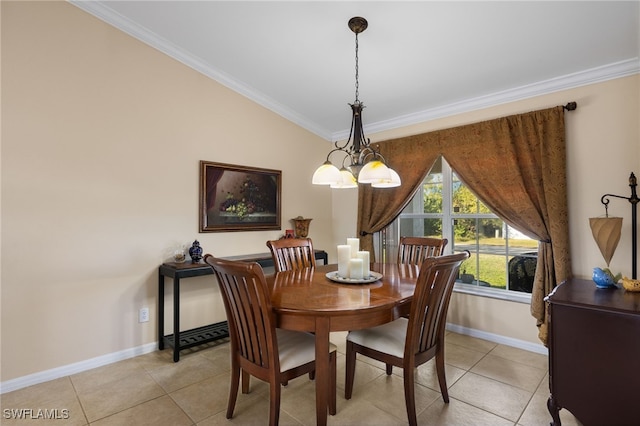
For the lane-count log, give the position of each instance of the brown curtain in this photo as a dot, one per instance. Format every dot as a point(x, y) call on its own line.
point(515, 165)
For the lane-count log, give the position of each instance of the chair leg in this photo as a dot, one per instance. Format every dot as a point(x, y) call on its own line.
point(350, 370)
point(233, 391)
point(312, 375)
point(410, 397)
point(274, 403)
point(442, 377)
point(332, 384)
point(389, 369)
point(245, 381)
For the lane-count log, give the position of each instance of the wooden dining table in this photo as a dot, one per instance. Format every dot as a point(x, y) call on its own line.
point(307, 300)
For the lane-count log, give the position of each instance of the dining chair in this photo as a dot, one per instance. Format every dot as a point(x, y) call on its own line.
point(292, 253)
point(258, 348)
point(414, 250)
point(410, 342)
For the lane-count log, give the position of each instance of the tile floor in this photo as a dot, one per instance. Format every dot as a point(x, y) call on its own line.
point(489, 384)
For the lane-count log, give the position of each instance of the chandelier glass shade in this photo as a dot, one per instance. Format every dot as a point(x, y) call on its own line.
point(361, 162)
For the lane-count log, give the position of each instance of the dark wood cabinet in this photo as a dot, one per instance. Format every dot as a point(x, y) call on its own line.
point(594, 354)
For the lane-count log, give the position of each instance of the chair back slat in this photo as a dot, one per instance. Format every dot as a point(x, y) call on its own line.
point(248, 305)
point(292, 253)
point(428, 315)
point(414, 250)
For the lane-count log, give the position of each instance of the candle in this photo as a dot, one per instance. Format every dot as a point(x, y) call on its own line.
point(344, 255)
point(355, 246)
point(364, 255)
point(355, 269)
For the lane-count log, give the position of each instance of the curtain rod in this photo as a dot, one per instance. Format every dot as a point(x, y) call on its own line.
point(571, 106)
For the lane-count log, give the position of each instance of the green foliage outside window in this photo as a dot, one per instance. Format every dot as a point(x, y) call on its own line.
point(464, 202)
point(473, 228)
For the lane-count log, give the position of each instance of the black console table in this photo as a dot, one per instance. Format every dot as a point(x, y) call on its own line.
point(188, 338)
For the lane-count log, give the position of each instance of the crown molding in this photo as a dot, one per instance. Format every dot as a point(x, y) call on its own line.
point(569, 81)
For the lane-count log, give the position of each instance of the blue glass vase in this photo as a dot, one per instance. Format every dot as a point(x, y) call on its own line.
point(195, 252)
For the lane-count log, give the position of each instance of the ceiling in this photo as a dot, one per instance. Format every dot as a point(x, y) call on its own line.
point(418, 60)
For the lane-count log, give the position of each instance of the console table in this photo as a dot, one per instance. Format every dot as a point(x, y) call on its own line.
point(594, 354)
point(208, 333)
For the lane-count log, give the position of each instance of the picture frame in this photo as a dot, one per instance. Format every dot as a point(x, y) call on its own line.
point(239, 198)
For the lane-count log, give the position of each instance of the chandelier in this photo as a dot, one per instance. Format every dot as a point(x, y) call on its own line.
point(361, 163)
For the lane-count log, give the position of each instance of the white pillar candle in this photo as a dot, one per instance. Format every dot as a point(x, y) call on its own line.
point(355, 269)
point(364, 255)
point(344, 255)
point(355, 246)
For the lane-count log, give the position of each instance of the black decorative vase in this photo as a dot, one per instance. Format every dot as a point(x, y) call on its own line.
point(195, 252)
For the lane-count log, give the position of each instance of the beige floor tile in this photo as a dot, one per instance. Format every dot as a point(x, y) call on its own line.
point(56, 411)
point(187, 371)
point(298, 400)
point(96, 377)
point(155, 359)
point(523, 357)
point(360, 412)
point(490, 395)
point(206, 398)
point(254, 411)
point(159, 411)
point(460, 356)
point(469, 342)
point(459, 414)
point(510, 372)
point(537, 413)
point(219, 355)
point(39, 395)
point(387, 393)
point(365, 373)
point(426, 375)
point(119, 395)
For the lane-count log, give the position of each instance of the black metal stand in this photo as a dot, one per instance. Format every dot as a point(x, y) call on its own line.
point(634, 221)
point(182, 339)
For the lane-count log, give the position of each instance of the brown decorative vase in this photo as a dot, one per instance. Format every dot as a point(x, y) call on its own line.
point(301, 225)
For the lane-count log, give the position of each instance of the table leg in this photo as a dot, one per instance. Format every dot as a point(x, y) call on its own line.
point(160, 311)
point(554, 410)
point(176, 319)
point(322, 369)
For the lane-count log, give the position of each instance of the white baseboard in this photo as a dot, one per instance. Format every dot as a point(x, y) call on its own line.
point(78, 367)
point(496, 338)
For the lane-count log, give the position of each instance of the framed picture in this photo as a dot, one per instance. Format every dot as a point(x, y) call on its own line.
point(238, 198)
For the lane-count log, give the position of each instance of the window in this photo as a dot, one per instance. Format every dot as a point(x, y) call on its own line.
point(503, 260)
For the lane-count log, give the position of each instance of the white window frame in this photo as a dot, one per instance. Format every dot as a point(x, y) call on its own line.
point(391, 237)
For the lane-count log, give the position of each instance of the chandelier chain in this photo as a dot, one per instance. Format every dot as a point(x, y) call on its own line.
point(357, 84)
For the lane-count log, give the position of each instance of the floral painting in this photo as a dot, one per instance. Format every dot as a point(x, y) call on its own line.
point(238, 198)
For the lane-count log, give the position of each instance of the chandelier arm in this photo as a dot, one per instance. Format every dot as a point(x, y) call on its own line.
point(337, 149)
point(346, 144)
point(343, 159)
point(372, 151)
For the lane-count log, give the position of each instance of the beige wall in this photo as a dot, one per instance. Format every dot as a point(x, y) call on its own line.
point(101, 138)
